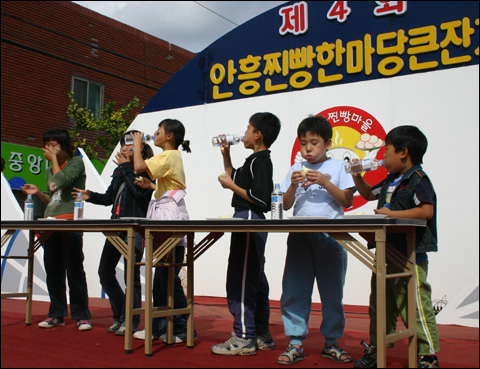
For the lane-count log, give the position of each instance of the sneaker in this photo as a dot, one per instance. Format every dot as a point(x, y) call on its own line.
point(51, 322)
point(140, 335)
point(84, 325)
point(120, 331)
point(176, 339)
point(369, 359)
point(265, 342)
point(428, 362)
point(179, 338)
point(114, 327)
point(235, 346)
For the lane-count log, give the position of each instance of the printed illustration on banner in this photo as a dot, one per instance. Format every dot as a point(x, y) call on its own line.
point(356, 135)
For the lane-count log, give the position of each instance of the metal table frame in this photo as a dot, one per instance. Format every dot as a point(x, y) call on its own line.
point(108, 227)
point(339, 229)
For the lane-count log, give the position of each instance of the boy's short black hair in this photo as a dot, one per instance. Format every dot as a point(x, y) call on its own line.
point(62, 137)
point(317, 125)
point(411, 138)
point(268, 124)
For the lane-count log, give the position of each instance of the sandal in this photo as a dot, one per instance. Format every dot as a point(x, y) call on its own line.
point(293, 354)
point(335, 352)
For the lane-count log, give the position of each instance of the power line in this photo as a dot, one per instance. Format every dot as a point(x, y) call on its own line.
point(221, 16)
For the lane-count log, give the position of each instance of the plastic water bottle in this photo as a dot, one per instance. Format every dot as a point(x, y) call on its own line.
point(360, 166)
point(129, 139)
point(277, 202)
point(221, 140)
point(28, 208)
point(78, 207)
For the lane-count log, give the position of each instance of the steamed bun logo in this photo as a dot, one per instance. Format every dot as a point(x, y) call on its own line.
point(368, 142)
point(356, 135)
point(343, 144)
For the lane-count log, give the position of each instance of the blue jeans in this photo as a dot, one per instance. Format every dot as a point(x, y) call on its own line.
point(108, 279)
point(313, 256)
point(160, 286)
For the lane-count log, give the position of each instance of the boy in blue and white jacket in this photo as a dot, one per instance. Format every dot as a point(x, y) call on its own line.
point(322, 188)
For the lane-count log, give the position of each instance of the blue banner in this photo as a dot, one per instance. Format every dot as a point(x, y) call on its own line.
point(311, 44)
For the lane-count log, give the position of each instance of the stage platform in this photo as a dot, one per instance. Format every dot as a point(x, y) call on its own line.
point(62, 347)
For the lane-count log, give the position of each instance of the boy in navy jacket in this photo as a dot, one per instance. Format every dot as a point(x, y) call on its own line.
point(247, 285)
point(407, 192)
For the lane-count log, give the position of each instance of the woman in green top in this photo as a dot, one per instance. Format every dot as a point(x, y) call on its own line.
point(63, 251)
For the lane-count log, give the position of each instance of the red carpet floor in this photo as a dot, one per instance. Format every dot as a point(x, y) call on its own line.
point(62, 347)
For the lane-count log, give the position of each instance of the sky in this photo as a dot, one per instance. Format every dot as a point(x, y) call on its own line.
point(188, 24)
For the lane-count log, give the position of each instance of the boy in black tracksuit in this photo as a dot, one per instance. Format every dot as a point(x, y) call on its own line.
point(247, 285)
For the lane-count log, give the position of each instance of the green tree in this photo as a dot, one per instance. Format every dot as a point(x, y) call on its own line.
point(108, 124)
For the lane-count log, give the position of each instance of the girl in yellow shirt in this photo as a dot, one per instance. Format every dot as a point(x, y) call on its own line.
point(169, 204)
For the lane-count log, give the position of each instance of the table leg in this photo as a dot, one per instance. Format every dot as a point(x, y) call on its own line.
point(148, 291)
point(412, 310)
point(31, 260)
point(380, 238)
point(190, 302)
point(130, 265)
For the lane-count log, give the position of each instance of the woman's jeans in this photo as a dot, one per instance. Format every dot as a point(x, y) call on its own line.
point(160, 286)
point(108, 279)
